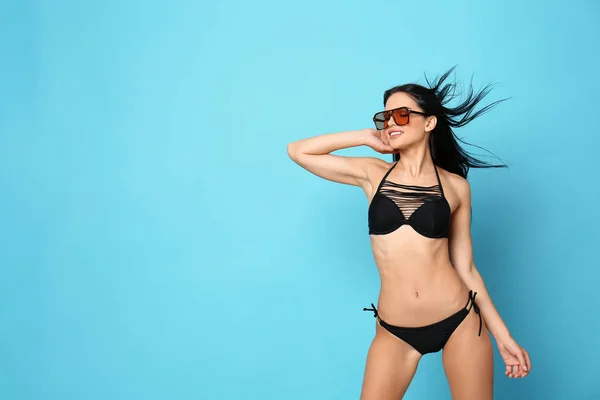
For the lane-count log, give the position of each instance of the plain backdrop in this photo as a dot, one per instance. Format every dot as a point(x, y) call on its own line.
point(158, 243)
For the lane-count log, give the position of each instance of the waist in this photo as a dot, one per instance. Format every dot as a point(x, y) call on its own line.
point(420, 297)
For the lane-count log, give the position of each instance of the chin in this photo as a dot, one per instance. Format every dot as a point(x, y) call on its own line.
point(402, 143)
point(399, 143)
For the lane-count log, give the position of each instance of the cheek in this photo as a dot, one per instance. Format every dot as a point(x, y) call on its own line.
point(410, 136)
point(413, 131)
point(416, 130)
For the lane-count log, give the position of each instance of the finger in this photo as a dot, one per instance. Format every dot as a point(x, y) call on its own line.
point(514, 369)
point(384, 138)
point(382, 148)
point(528, 360)
point(525, 369)
point(510, 366)
point(387, 148)
point(518, 371)
point(524, 372)
point(521, 358)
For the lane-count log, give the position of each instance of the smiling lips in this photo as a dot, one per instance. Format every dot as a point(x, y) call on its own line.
point(395, 133)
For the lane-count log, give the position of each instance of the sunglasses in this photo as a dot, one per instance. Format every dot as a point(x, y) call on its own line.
point(401, 117)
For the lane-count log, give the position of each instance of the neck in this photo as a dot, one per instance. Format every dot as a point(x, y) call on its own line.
point(416, 159)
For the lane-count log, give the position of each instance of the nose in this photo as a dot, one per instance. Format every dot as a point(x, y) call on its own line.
point(391, 121)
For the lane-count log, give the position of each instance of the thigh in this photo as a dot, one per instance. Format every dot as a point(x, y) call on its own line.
point(469, 361)
point(391, 365)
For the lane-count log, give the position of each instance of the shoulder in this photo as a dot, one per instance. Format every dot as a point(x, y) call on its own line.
point(456, 181)
point(457, 185)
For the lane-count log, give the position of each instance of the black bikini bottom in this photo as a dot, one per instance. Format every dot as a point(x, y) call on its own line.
point(431, 338)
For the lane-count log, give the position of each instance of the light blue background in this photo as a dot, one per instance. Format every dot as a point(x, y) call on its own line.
point(157, 242)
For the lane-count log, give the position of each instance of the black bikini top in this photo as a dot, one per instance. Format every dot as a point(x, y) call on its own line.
point(423, 207)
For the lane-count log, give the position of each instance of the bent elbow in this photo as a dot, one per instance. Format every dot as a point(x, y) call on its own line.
point(292, 151)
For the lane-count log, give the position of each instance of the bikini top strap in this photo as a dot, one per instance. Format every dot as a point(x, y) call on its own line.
point(438, 178)
point(385, 176)
point(435, 167)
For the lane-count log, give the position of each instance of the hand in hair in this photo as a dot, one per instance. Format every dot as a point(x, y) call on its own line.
point(378, 141)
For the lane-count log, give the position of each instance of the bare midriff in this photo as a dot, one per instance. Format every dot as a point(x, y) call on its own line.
point(419, 285)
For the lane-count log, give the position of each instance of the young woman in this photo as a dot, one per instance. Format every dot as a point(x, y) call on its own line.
point(432, 297)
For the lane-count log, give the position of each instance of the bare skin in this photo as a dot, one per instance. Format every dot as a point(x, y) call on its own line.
point(423, 280)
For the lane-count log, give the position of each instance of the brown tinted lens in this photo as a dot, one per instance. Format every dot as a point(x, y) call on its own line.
point(401, 116)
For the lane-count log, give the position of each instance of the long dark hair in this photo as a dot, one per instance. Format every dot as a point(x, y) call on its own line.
point(443, 143)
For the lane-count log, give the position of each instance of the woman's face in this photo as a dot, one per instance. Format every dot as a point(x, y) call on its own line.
point(417, 129)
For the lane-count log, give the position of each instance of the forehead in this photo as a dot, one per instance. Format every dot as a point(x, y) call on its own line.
point(401, 99)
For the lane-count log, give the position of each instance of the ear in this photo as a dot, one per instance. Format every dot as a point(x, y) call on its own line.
point(430, 123)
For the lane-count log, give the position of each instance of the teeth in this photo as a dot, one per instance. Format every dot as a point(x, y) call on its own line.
point(396, 133)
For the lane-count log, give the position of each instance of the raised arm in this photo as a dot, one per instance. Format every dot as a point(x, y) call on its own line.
point(313, 154)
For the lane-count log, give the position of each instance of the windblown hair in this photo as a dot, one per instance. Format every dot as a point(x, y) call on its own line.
point(443, 143)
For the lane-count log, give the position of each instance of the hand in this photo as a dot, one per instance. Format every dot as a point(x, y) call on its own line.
point(378, 141)
point(515, 357)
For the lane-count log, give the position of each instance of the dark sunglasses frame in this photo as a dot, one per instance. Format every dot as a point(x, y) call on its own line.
point(380, 117)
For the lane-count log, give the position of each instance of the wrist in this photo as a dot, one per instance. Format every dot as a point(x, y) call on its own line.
point(503, 336)
point(365, 135)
